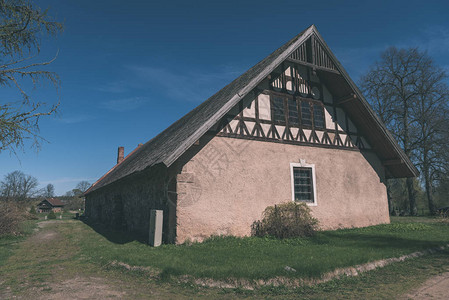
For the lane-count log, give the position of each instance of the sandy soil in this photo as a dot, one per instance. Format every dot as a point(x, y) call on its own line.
point(84, 288)
point(78, 287)
point(434, 288)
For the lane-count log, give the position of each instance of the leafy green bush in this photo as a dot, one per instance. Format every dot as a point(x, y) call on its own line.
point(51, 215)
point(286, 220)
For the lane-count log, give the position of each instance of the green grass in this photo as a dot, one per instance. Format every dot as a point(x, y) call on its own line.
point(262, 258)
point(390, 282)
point(78, 254)
point(412, 219)
point(9, 243)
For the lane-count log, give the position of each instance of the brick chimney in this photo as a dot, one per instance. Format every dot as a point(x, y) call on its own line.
point(120, 154)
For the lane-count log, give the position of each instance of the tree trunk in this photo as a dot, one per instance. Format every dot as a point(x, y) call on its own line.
point(429, 194)
point(406, 141)
point(427, 180)
point(390, 204)
point(411, 196)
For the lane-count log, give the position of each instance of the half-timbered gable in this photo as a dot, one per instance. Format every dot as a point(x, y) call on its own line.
point(297, 108)
point(294, 127)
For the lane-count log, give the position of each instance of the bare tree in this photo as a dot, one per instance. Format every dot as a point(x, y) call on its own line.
point(49, 191)
point(18, 186)
point(432, 122)
point(21, 26)
point(408, 92)
point(83, 186)
point(390, 85)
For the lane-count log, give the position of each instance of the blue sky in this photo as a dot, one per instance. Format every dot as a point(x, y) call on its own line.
point(131, 68)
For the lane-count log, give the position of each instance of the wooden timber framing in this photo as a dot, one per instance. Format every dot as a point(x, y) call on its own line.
point(306, 64)
point(291, 133)
point(277, 140)
point(314, 54)
point(344, 134)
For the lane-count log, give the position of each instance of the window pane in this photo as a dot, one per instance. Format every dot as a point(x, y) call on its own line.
point(293, 118)
point(303, 185)
point(278, 106)
point(303, 197)
point(306, 113)
point(302, 188)
point(305, 173)
point(318, 116)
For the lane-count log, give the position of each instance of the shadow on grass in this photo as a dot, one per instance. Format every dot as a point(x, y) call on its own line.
point(116, 236)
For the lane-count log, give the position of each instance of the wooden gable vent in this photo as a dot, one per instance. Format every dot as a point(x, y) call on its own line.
point(312, 52)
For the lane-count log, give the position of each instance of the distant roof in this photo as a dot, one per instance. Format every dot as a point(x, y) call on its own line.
point(170, 144)
point(53, 201)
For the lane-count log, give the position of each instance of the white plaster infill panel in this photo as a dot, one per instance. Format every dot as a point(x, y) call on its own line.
point(264, 107)
point(303, 164)
point(249, 109)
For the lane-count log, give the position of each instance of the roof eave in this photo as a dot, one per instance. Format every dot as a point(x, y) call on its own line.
point(406, 160)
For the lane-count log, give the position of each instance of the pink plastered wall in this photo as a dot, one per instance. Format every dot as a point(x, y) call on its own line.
point(227, 184)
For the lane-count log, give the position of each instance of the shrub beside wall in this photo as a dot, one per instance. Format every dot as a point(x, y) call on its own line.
point(286, 220)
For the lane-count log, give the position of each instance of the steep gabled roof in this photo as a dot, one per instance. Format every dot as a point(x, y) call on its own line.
point(170, 144)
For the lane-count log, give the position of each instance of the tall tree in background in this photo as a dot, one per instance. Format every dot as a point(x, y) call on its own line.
point(21, 26)
point(79, 190)
point(18, 186)
point(49, 191)
point(83, 186)
point(391, 86)
point(408, 92)
point(383, 104)
point(432, 122)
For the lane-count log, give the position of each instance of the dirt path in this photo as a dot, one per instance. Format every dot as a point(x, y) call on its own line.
point(434, 288)
point(50, 265)
point(43, 268)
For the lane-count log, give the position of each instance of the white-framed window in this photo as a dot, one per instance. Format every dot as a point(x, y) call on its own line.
point(303, 183)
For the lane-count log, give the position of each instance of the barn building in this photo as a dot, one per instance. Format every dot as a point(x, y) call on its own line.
point(292, 128)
